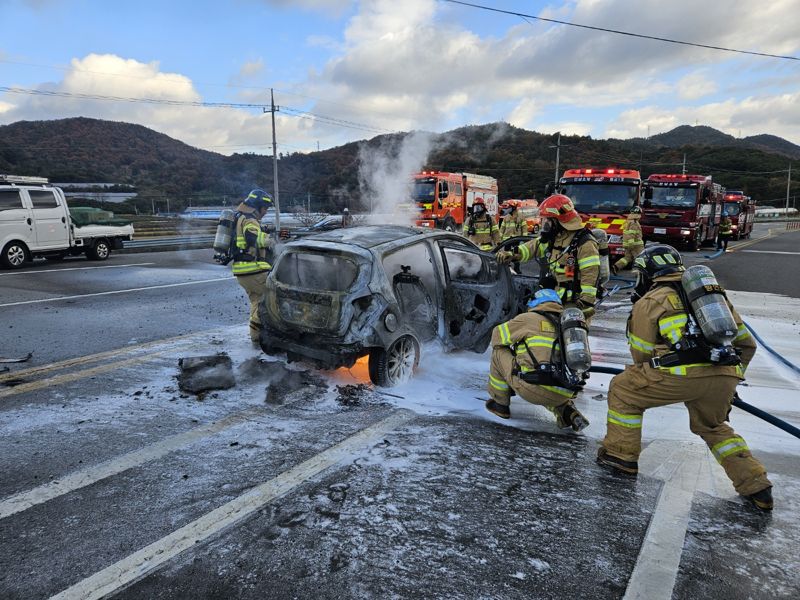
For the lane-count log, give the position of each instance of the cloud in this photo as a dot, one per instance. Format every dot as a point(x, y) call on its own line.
point(251, 68)
point(696, 85)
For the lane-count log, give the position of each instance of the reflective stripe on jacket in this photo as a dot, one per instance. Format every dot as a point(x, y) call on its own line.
point(252, 244)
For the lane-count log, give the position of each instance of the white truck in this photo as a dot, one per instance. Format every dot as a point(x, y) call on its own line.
point(35, 221)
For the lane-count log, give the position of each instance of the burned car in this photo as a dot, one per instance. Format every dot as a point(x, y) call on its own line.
point(382, 291)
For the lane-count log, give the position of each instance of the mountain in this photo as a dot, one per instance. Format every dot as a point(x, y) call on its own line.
point(160, 167)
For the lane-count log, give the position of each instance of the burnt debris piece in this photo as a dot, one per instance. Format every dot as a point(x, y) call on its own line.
point(16, 360)
point(204, 373)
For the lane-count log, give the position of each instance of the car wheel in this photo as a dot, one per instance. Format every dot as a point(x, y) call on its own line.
point(15, 254)
point(99, 251)
point(395, 364)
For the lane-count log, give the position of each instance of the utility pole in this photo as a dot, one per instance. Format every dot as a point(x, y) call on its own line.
point(153, 204)
point(309, 202)
point(683, 170)
point(558, 156)
point(788, 186)
point(275, 196)
point(167, 206)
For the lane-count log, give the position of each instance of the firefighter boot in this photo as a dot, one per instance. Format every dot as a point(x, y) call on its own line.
point(762, 499)
point(501, 410)
point(617, 464)
point(568, 416)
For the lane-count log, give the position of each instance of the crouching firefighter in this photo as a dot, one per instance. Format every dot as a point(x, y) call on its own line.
point(250, 247)
point(688, 345)
point(566, 251)
point(541, 355)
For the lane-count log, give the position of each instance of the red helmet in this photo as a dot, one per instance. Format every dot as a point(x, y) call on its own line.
point(478, 200)
point(558, 206)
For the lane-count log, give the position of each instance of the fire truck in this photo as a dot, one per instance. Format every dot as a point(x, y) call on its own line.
point(742, 211)
point(681, 209)
point(604, 198)
point(445, 199)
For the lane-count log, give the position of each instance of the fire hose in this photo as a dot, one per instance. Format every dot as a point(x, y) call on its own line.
point(737, 402)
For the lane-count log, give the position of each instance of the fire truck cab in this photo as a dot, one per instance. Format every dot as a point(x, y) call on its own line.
point(604, 198)
point(681, 210)
point(742, 211)
point(445, 199)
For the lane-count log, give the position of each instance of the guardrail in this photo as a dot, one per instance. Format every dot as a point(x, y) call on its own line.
point(792, 224)
point(194, 240)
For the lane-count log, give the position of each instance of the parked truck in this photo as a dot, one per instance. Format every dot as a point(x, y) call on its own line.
point(682, 210)
point(742, 211)
point(603, 197)
point(445, 199)
point(35, 221)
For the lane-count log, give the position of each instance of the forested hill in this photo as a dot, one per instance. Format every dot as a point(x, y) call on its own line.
point(91, 150)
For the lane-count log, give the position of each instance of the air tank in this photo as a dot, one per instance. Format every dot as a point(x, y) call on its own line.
point(222, 238)
point(709, 305)
point(602, 244)
point(575, 335)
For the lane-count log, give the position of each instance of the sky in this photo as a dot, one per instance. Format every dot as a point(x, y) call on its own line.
point(346, 70)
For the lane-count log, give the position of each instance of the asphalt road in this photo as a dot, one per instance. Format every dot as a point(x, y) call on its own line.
point(295, 484)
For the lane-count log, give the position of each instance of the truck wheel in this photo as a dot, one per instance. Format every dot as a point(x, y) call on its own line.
point(396, 364)
point(15, 254)
point(99, 251)
point(694, 244)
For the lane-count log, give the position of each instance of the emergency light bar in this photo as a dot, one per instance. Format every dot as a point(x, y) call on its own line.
point(23, 179)
point(601, 172)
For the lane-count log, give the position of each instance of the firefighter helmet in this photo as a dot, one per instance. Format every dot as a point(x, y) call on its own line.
point(636, 210)
point(258, 199)
point(560, 207)
point(509, 206)
point(659, 260)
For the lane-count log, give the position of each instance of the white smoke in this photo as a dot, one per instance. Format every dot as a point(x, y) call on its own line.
point(384, 175)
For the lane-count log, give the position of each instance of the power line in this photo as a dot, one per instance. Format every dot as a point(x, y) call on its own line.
point(619, 32)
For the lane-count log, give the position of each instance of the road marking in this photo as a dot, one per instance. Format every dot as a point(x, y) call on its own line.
point(74, 269)
point(769, 252)
point(656, 569)
point(151, 287)
point(67, 377)
point(139, 564)
point(79, 479)
point(71, 362)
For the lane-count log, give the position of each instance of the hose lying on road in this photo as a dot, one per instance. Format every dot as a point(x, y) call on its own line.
point(737, 402)
point(716, 254)
point(780, 357)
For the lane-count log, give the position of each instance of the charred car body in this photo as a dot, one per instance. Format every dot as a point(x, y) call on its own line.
point(382, 291)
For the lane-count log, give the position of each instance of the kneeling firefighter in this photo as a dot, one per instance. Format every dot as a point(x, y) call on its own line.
point(567, 253)
point(250, 260)
point(541, 355)
point(688, 345)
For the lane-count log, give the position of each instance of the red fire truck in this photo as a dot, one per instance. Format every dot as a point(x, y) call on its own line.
point(681, 209)
point(742, 211)
point(604, 198)
point(445, 199)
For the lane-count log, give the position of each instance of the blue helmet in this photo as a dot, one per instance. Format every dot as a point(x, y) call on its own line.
point(542, 296)
point(258, 199)
point(724, 213)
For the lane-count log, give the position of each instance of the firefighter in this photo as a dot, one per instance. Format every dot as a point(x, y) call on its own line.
point(513, 224)
point(656, 331)
point(725, 232)
point(566, 251)
point(518, 347)
point(632, 241)
point(480, 228)
point(250, 264)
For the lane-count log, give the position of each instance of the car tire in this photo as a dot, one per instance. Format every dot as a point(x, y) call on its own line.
point(395, 364)
point(15, 255)
point(99, 251)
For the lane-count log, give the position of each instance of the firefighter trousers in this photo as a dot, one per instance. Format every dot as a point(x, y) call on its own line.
point(631, 252)
point(254, 286)
point(707, 399)
point(503, 384)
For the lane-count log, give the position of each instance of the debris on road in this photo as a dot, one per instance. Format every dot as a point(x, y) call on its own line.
point(204, 373)
point(16, 360)
point(284, 381)
point(352, 394)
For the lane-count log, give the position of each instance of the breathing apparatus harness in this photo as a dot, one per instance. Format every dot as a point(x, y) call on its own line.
point(693, 347)
point(555, 371)
point(571, 269)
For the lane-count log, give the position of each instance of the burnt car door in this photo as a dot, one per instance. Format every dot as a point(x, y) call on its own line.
point(478, 295)
point(410, 271)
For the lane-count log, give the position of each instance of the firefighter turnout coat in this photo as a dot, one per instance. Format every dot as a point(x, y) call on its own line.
point(576, 266)
point(250, 263)
point(510, 357)
point(632, 241)
point(482, 231)
point(513, 225)
point(657, 321)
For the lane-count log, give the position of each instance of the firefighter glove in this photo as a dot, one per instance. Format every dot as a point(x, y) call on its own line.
point(504, 257)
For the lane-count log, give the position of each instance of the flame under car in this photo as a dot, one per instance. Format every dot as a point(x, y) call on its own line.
point(383, 292)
